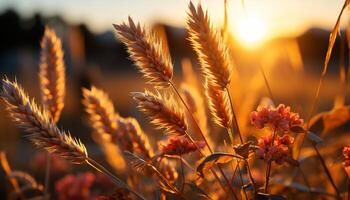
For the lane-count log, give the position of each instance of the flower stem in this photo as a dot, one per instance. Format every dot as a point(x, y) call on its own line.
point(327, 171)
point(269, 163)
point(268, 171)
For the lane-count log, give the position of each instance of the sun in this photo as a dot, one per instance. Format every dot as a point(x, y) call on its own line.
point(251, 31)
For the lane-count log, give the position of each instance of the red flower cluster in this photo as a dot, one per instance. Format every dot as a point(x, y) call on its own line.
point(280, 118)
point(179, 145)
point(75, 187)
point(346, 153)
point(278, 151)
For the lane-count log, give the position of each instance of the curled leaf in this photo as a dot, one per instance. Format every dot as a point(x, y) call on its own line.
point(214, 158)
point(243, 149)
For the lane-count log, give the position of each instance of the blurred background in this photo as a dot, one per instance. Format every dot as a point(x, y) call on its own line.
point(287, 40)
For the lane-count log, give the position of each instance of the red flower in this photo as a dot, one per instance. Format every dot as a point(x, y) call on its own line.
point(278, 151)
point(75, 187)
point(280, 118)
point(178, 145)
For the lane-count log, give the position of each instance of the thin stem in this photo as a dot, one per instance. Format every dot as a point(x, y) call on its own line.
point(269, 163)
point(234, 171)
point(47, 173)
point(242, 183)
point(267, 84)
point(191, 115)
point(183, 175)
point(235, 124)
point(267, 176)
point(327, 171)
point(115, 179)
point(206, 142)
point(250, 175)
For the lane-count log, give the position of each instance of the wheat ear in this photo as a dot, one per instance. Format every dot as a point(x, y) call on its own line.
point(209, 46)
point(141, 144)
point(100, 110)
point(42, 130)
point(147, 53)
point(105, 120)
point(162, 111)
point(52, 74)
point(219, 105)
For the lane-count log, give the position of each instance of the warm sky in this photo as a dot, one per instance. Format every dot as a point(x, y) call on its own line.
point(279, 17)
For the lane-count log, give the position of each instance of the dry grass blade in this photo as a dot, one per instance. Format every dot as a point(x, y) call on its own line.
point(332, 38)
point(140, 165)
point(101, 111)
point(147, 53)
point(42, 130)
point(52, 74)
point(7, 169)
point(26, 178)
point(162, 111)
point(213, 54)
point(219, 105)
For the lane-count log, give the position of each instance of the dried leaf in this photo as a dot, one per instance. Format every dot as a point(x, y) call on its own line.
point(243, 149)
point(212, 159)
point(325, 122)
point(297, 129)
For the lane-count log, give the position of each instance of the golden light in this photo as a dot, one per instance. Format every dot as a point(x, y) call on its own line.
point(251, 31)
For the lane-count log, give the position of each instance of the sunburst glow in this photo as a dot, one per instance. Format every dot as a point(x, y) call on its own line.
point(251, 31)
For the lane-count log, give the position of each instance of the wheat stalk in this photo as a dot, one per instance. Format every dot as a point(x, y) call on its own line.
point(162, 111)
point(52, 74)
point(42, 130)
point(209, 46)
point(147, 53)
point(219, 105)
